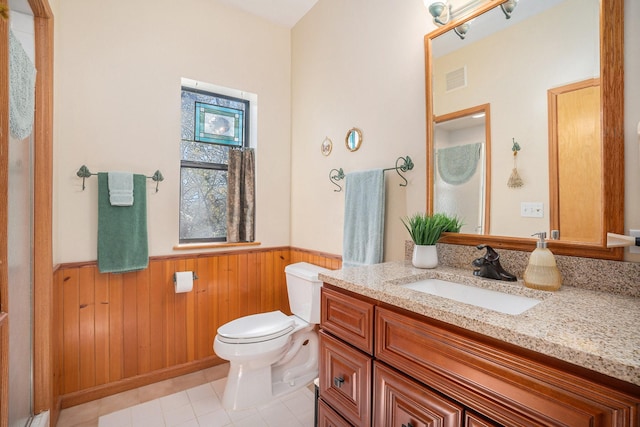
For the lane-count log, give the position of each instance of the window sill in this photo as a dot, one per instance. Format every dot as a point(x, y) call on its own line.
point(191, 246)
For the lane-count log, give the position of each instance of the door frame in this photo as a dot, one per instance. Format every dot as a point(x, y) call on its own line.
point(43, 384)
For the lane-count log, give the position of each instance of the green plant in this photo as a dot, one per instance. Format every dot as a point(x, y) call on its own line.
point(426, 229)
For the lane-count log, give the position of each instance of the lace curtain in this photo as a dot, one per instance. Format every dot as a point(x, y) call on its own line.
point(22, 85)
point(241, 196)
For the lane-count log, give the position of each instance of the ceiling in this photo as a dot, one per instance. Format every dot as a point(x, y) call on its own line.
point(282, 12)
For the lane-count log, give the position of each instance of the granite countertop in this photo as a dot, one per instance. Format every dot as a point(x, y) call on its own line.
point(596, 330)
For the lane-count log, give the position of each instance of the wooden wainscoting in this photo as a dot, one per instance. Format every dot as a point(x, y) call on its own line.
point(115, 332)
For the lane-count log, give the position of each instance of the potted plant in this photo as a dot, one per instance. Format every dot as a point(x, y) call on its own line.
point(425, 230)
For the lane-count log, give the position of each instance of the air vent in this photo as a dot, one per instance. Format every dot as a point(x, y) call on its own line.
point(456, 79)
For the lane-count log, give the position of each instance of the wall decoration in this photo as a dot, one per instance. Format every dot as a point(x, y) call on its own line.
point(218, 124)
point(326, 146)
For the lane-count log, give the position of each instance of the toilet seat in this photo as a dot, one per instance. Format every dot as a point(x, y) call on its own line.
point(256, 328)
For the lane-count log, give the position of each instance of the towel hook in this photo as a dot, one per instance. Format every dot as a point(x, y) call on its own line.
point(83, 173)
point(157, 177)
point(406, 165)
point(337, 177)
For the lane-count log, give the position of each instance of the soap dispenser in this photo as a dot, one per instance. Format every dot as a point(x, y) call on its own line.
point(542, 272)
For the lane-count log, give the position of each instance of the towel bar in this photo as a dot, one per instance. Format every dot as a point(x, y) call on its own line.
point(406, 165)
point(84, 173)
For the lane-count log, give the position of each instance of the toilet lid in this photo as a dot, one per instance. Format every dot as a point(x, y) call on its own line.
point(256, 327)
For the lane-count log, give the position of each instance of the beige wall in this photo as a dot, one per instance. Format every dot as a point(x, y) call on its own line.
point(361, 64)
point(347, 63)
point(117, 107)
point(358, 64)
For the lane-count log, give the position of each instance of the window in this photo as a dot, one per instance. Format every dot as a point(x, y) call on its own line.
point(212, 124)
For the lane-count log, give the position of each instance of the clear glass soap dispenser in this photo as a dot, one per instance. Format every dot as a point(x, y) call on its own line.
point(542, 272)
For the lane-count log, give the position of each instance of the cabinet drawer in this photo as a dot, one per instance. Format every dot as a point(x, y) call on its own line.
point(400, 401)
point(502, 385)
point(475, 420)
point(348, 318)
point(327, 417)
point(345, 379)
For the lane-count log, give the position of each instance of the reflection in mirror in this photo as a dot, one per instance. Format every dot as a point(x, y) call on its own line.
point(512, 64)
point(462, 168)
point(353, 140)
point(575, 161)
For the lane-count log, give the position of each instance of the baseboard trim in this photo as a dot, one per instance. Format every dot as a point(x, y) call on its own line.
point(98, 392)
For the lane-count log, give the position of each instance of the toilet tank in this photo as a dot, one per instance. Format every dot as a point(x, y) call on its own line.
point(303, 288)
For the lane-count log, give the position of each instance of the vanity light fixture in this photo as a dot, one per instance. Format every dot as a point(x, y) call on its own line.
point(436, 9)
point(461, 30)
point(508, 6)
point(443, 12)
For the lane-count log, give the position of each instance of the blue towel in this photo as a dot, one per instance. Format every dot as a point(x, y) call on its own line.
point(363, 239)
point(120, 188)
point(122, 230)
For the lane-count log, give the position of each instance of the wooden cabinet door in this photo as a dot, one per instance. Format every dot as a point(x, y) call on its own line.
point(345, 379)
point(401, 402)
point(348, 318)
point(327, 417)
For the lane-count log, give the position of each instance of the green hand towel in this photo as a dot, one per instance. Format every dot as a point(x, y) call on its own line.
point(122, 230)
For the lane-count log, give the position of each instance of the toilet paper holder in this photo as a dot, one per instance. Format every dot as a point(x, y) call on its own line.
point(195, 276)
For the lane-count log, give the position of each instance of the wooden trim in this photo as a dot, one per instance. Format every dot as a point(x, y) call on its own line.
point(43, 353)
point(194, 246)
point(98, 392)
point(306, 252)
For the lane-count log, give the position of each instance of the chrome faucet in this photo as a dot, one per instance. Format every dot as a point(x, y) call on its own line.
point(489, 266)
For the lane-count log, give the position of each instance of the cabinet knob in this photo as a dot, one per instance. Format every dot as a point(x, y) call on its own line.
point(338, 381)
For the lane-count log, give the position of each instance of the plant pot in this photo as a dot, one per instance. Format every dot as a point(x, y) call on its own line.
point(425, 256)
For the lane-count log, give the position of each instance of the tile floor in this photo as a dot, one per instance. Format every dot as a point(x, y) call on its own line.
point(189, 401)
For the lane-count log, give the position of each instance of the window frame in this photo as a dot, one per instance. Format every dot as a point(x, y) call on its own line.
point(209, 165)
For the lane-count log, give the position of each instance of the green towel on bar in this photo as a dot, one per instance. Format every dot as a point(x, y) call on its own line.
point(122, 230)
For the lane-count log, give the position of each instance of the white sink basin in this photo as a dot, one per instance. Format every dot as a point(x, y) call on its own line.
point(480, 297)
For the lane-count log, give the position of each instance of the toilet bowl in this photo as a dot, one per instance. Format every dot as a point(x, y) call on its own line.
point(271, 354)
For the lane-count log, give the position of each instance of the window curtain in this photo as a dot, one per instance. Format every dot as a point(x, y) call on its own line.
point(241, 196)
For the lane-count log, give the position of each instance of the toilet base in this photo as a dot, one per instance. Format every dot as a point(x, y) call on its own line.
point(249, 385)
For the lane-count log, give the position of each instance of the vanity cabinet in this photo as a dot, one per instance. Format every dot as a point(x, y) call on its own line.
point(346, 369)
point(422, 372)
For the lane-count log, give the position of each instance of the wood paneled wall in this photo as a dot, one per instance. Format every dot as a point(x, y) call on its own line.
point(120, 331)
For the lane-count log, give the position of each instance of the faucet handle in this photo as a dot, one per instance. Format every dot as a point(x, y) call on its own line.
point(491, 254)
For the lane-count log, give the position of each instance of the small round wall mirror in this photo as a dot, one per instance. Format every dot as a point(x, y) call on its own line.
point(353, 139)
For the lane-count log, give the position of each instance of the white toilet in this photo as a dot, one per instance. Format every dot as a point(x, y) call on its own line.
point(272, 354)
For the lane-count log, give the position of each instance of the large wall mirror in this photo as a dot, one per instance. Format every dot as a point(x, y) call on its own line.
point(515, 65)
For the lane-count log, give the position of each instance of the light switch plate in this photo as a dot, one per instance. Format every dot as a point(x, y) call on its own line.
point(634, 249)
point(532, 209)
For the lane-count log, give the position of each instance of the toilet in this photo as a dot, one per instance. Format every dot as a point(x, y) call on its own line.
point(271, 354)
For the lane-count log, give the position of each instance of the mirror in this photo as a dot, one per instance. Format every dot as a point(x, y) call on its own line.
point(462, 171)
point(353, 139)
point(532, 135)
